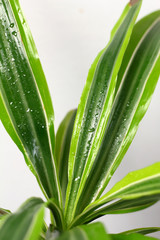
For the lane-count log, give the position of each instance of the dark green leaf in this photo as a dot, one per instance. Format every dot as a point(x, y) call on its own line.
point(130, 105)
point(139, 30)
point(26, 108)
point(63, 139)
point(57, 214)
point(94, 108)
point(26, 223)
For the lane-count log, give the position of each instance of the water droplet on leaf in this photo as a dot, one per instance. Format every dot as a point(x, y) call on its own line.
point(12, 25)
point(14, 33)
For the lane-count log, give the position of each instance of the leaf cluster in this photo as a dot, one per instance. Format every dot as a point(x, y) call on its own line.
point(74, 167)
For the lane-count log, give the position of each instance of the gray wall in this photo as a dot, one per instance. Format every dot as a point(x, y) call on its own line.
point(68, 35)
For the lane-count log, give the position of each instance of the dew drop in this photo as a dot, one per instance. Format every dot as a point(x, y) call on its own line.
point(11, 103)
point(91, 130)
point(11, 25)
point(28, 110)
point(14, 33)
point(76, 179)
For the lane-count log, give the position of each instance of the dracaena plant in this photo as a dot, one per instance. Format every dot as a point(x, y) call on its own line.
point(74, 167)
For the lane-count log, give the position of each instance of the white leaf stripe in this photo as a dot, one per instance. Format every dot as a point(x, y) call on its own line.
point(30, 120)
point(117, 146)
point(130, 187)
point(97, 136)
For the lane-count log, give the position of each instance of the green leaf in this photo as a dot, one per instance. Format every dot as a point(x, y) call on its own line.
point(118, 207)
point(25, 103)
point(138, 32)
point(129, 107)
point(57, 215)
point(135, 236)
point(136, 191)
point(143, 231)
point(143, 182)
point(26, 223)
point(86, 232)
point(4, 212)
point(63, 139)
point(94, 108)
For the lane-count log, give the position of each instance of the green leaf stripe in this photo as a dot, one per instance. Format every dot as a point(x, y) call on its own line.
point(130, 105)
point(29, 219)
point(143, 182)
point(27, 113)
point(94, 108)
point(136, 191)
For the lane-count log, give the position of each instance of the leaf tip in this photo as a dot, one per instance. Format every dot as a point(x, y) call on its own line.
point(132, 2)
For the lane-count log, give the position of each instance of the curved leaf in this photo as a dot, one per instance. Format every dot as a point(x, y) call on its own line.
point(120, 207)
point(4, 212)
point(143, 182)
point(63, 140)
point(26, 108)
point(136, 191)
point(95, 106)
point(143, 231)
point(92, 231)
point(134, 236)
point(26, 223)
point(57, 215)
point(138, 32)
point(117, 207)
point(129, 107)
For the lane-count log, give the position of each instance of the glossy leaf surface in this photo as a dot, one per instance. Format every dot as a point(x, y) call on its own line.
point(139, 30)
point(129, 107)
point(136, 191)
point(26, 223)
point(119, 207)
point(63, 140)
point(57, 215)
point(95, 106)
point(143, 182)
point(26, 108)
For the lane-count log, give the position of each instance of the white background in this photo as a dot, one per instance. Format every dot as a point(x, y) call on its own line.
point(68, 35)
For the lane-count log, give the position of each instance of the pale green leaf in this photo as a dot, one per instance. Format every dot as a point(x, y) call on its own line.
point(26, 223)
point(143, 231)
point(138, 190)
point(133, 236)
point(63, 140)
